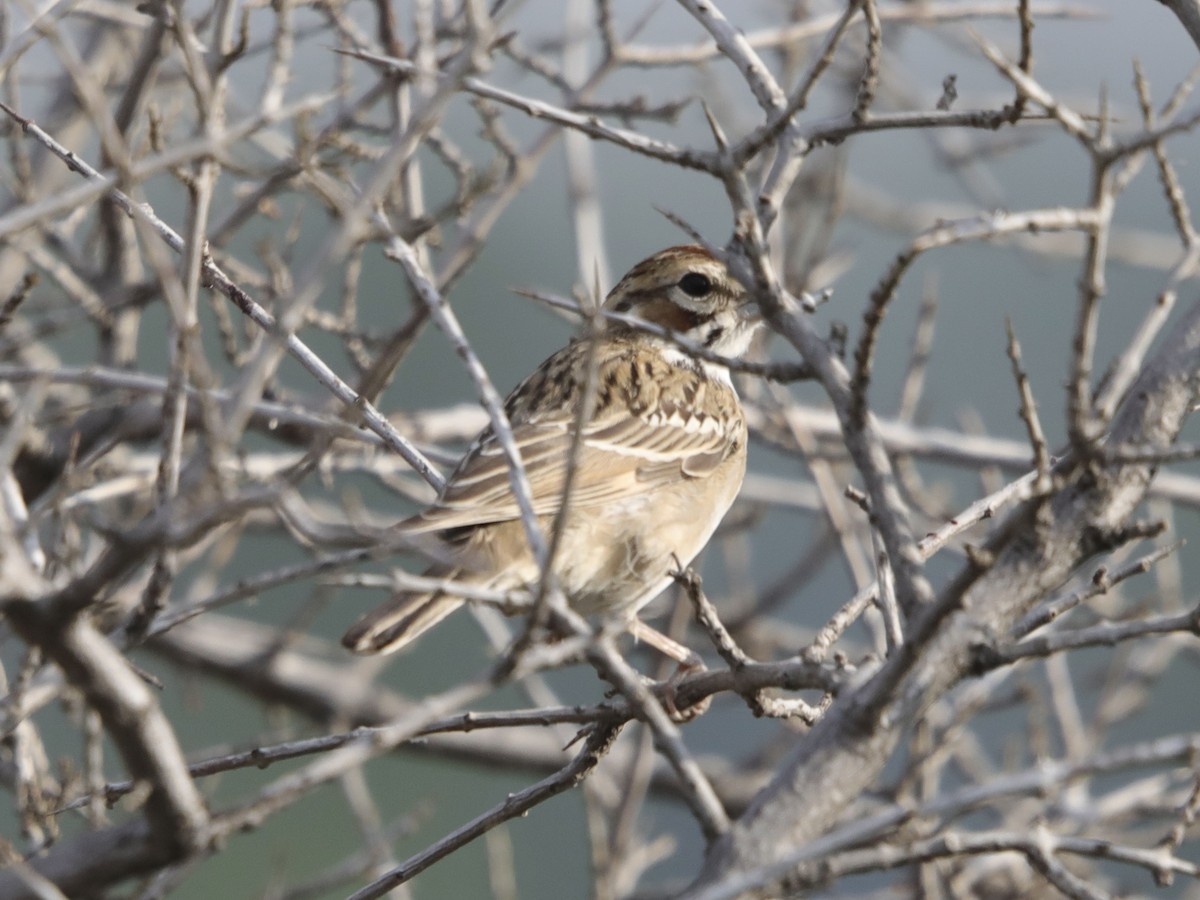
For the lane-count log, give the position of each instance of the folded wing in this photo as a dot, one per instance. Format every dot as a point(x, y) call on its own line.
point(647, 431)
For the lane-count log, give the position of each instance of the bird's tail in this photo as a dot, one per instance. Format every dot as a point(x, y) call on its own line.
point(401, 620)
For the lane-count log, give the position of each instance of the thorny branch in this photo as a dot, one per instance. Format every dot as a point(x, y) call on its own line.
point(195, 197)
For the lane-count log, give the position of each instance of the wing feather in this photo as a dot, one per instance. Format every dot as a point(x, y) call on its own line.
point(649, 429)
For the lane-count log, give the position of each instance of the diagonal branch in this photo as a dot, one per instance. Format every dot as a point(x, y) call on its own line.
point(1035, 551)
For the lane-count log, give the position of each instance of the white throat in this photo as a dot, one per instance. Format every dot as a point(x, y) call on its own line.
point(711, 370)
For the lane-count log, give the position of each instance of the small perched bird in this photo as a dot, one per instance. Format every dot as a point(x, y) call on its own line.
point(662, 457)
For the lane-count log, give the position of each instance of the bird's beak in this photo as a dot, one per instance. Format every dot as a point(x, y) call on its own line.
point(751, 316)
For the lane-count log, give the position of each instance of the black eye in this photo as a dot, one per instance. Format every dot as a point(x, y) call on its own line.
point(695, 285)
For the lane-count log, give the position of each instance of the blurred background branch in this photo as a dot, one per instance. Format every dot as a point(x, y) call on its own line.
point(950, 625)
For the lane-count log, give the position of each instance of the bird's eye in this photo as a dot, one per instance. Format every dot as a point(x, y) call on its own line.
point(694, 284)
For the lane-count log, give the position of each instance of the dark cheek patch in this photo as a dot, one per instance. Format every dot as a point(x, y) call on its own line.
point(671, 315)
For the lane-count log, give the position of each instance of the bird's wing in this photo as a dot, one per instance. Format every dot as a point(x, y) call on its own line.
point(646, 432)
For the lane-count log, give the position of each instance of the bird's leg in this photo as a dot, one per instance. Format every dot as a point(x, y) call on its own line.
point(689, 663)
point(687, 658)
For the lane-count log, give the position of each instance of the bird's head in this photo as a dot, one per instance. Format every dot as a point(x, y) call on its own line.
point(689, 291)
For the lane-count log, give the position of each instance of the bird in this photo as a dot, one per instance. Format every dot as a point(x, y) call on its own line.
point(661, 457)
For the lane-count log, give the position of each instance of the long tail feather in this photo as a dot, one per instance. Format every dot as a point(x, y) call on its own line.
point(397, 623)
